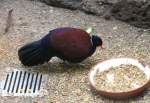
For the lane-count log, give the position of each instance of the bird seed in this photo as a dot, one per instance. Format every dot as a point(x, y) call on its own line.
point(120, 79)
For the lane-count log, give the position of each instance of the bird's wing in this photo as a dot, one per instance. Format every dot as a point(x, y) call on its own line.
point(72, 43)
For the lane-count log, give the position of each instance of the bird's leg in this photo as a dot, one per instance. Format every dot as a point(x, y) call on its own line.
point(66, 63)
point(81, 64)
point(73, 64)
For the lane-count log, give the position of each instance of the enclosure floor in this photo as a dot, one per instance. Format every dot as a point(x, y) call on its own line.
point(67, 83)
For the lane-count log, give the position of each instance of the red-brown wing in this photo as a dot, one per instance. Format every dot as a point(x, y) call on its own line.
point(73, 43)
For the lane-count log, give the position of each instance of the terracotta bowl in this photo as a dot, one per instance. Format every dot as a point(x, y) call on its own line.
point(105, 65)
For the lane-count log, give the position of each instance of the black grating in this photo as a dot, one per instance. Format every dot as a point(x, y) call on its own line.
point(22, 82)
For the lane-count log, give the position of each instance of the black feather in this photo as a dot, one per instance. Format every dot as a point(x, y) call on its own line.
point(33, 54)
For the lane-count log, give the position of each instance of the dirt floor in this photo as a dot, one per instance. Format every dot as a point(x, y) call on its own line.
point(67, 84)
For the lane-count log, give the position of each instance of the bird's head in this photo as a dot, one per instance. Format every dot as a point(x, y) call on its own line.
point(97, 41)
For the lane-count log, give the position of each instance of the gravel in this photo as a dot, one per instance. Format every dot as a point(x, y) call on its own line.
point(67, 83)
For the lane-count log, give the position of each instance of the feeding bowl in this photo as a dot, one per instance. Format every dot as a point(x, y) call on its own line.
point(112, 63)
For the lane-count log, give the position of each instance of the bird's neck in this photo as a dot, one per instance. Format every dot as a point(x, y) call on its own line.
point(93, 46)
point(93, 42)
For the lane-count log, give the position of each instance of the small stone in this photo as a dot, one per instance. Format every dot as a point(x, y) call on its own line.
point(86, 99)
point(78, 91)
point(107, 17)
point(51, 11)
point(115, 28)
point(65, 93)
point(24, 24)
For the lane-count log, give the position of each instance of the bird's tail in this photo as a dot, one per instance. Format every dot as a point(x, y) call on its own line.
point(33, 54)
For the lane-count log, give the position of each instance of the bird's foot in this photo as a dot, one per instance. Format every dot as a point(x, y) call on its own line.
point(66, 63)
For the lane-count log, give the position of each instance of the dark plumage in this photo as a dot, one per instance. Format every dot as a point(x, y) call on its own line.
point(71, 44)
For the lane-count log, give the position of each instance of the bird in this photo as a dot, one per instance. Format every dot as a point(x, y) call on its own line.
point(70, 44)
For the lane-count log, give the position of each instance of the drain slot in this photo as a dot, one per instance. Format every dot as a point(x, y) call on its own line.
point(6, 82)
point(19, 81)
point(35, 82)
point(10, 81)
point(40, 82)
point(31, 81)
point(27, 83)
point(14, 82)
point(23, 81)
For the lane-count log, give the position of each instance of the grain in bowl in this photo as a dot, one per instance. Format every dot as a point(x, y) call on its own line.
point(121, 78)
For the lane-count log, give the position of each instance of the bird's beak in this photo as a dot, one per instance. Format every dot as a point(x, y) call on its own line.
point(102, 46)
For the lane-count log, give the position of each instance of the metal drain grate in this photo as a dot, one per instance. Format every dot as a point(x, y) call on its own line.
point(22, 83)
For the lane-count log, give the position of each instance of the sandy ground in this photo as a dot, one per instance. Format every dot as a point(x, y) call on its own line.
point(67, 84)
